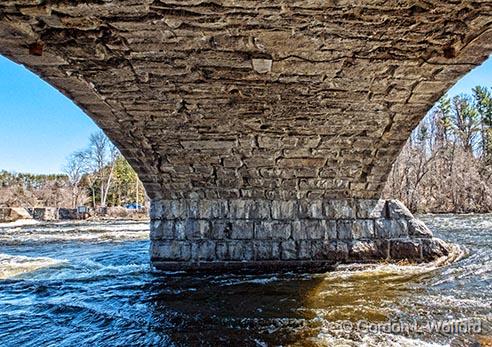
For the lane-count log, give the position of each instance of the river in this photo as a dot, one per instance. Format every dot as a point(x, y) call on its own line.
point(90, 284)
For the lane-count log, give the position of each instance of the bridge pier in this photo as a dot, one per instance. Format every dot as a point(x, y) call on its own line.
point(264, 235)
point(232, 100)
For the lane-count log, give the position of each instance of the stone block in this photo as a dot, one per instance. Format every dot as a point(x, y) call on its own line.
point(300, 163)
point(405, 249)
point(341, 250)
point(390, 228)
point(433, 248)
point(156, 210)
point(355, 229)
point(339, 209)
point(192, 229)
point(203, 250)
point(162, 209)
point(220, 229)
point(249, 209)
point(363, 229)
point(304, 249)
point(262, 65)
point(417, 228)
point(180, 230)
point(330, 227)
point(174, 209)
point(396, 210)
point(329, 250)
point(312, 209)
point(365, 251)
point(213, 209)
point(288, 250)
point(266, 250)
point(344, 230)
point(370, 208)
point(306, 229)
point(192, 208)
point(284, 209)
point(384, 248)
point(241, 250)
point(222, 250)
point(161, 229)
point(273, 230)
point(171, 250)
point(242, 230)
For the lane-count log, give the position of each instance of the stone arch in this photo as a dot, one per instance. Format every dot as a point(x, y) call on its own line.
point(384, 65)
point(252, 101)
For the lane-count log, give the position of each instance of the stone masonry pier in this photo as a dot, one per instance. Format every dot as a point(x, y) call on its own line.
point(263, 131)
point(286, 235)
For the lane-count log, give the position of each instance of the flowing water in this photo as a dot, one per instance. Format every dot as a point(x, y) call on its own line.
point(90, 284)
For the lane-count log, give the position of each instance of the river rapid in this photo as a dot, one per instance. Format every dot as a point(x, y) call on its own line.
point(90, 284)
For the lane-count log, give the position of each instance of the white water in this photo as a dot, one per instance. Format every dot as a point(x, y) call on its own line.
point(11, 265)
point(90, 283)
point(71, 231)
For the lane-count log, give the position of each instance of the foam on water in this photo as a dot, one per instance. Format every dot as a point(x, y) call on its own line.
point(18, 223)
point(341, 339)
point(102, 291)
point(346, 271)
point(14, 265)
point(83, 231)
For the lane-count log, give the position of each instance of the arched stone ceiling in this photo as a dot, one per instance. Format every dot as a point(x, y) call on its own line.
point(252, 99)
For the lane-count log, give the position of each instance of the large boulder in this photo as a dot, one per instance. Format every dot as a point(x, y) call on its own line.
point(11, 214)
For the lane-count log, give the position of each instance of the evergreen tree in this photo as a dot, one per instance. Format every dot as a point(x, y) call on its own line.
point(483, 100)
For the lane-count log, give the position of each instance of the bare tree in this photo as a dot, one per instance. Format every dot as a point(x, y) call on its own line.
point(466, 124)
point(75, 168)
point(441, 167)
point(101, 157)
point(113, 154)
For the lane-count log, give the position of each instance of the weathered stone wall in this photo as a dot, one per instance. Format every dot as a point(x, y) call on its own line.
point(68, 213)
point(44, 213)
point(256, 102)
point(252, 99)
point(215, 234)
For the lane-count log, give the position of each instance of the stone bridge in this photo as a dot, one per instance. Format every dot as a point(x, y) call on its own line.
point(263, 131)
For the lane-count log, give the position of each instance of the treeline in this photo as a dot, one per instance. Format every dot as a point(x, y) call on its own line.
point(446, 165)
point(18, 189)
point(95, 176)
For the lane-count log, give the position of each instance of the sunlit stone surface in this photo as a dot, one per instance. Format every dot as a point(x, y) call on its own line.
point(281, 235)
point(250, 100)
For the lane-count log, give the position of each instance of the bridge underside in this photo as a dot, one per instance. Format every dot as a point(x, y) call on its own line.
point(241, 105)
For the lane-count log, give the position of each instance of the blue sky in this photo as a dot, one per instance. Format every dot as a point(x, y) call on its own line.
point(40, 128)
point(481, 75)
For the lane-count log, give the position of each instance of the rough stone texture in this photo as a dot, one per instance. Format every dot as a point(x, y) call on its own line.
point(11, 214)
point(44, 213)
point(307, 235)
point(269, 111)
point(68, 213)
point(277, 100)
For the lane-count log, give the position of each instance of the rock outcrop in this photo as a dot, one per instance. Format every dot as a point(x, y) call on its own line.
point(11, 214)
